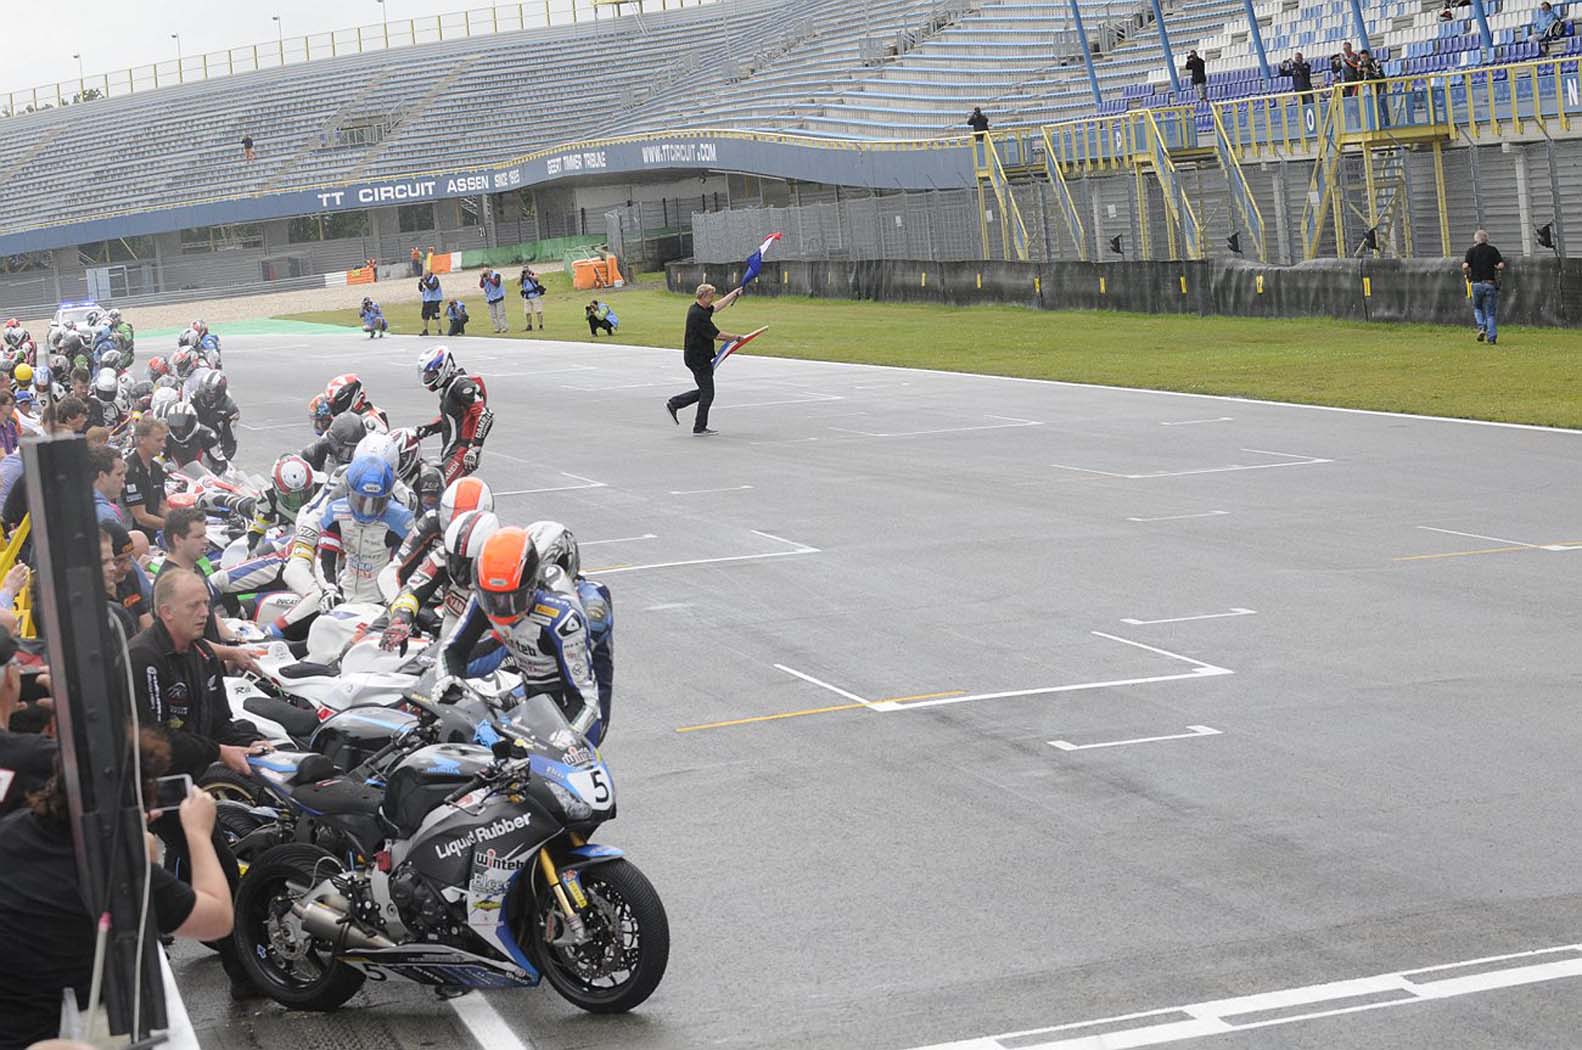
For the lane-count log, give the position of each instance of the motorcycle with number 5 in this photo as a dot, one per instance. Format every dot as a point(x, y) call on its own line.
point(471, 867)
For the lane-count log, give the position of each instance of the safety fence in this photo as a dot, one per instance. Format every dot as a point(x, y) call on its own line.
point(1544, 292)
point(295, 50)
point(935, 224)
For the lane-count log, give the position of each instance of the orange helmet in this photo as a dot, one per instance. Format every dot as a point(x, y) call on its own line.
point(507, 575)
point(462, 495)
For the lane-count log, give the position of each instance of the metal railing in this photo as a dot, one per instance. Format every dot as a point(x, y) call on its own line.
point(295, 50)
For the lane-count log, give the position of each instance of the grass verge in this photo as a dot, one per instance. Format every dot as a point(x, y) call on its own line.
point(1530, 377)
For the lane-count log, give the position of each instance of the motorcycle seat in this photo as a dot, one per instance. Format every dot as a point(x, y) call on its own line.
point(312, 768)
point(309, 669)
point(300, 722)
point(340, 796)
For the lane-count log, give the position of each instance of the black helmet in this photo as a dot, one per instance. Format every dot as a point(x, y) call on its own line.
point(182, 421)
point(211, 389)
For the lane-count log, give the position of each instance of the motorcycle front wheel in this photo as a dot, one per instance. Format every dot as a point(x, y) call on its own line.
point(628, 945)
point(296, 969)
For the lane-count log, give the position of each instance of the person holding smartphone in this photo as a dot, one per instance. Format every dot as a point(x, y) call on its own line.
point(27, 760)
point(47, 933)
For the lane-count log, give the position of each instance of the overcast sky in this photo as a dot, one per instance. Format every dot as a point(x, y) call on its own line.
point(40, 38)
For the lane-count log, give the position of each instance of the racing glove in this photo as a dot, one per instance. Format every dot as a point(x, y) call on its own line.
point(469, 460)
point(395, 636)
point(329, 598)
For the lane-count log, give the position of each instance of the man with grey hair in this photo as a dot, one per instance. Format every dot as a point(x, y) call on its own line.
point(697, 350)
point(1482, 268)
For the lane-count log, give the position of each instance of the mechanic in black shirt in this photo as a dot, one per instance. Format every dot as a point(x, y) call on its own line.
point(144, 493)
point(697, 350)
point(47, 925)
point(1482, 268)
point(27, 760)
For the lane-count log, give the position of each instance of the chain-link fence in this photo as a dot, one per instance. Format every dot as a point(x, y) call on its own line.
point(938, 224)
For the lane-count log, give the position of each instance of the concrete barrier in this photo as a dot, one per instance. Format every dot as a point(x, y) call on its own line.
point(1539, 292)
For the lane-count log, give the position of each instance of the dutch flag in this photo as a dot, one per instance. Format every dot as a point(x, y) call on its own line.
point(755, 261)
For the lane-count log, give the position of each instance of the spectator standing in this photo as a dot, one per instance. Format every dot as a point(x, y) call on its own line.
point(456, 313)
point(600, 316)
point(1197, 70)
point(978, 122)
point(48, 933)
point(1301, 73)
point(144, 494)
point(109, 477)
point(697, 351)
point(493, 286)
point(247, 147)
point(10, 427)
point(417, 262)
point(1483, 267)
point(429, 291)
point(69, 413)
point(532, 297)
point(1350, 67)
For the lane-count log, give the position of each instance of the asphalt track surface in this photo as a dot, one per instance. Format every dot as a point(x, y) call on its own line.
point(852, 624)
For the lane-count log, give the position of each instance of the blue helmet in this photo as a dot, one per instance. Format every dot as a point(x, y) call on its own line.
point(369, 481)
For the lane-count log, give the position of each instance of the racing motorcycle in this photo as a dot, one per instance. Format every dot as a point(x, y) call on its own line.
point(468, 867)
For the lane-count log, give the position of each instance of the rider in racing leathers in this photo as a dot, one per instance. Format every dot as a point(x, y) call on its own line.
point(188, 440)
point(292, 484)
point(562, 572)
point(335, 447)
point(459, 497)
point(445, 576)
point(359, 533)
point(464, 414)
point(216, 409)
point(545, 634)
point(345, 394)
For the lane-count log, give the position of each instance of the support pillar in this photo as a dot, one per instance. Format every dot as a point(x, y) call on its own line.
point(1087, 52)
point(1524, 200)
point(1164, 45)
point(1257, 38)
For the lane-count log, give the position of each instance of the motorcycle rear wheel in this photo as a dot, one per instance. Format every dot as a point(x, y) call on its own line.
point(226, 784)
point(309, 978)
point(605, 977)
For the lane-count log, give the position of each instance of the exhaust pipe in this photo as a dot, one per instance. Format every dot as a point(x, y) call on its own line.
point(332, 925)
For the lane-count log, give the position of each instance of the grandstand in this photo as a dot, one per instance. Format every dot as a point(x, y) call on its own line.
point(519, 136)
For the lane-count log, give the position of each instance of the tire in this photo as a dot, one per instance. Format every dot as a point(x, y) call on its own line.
point(314, 980)
point(226, 784)
point(619, 885)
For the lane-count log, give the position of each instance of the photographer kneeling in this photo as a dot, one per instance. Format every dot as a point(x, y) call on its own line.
point(47, 932)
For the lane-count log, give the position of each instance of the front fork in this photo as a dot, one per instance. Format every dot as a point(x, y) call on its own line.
point(569, 897)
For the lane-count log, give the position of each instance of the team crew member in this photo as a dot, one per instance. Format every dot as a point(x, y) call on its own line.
point(1482, 268)
point(144, 494)
point(697, 350)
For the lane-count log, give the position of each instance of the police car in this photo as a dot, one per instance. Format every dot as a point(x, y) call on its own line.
point(77, 312)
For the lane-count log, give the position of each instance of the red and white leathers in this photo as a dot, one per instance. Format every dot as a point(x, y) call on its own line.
point(465, 420)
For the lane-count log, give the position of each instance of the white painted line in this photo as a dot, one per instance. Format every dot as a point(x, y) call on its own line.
point(1066, 745)
point(542, 372)
point(273, 426)
point(668, 605)
point(620, 386)
point(1562, 547)
point(797, 548)
point(487, 1026)
point(1185, 619)
point(1193, 422)
point(1012, 421)
point(619, 539)
point(1476, 536)
point(1162, 652)
point(1294, 460)
point(837, 690)
point(1184, 517)
point(789, 401)
point(587, 483)
point(1199, 670)
point(1219, 1016)
point(699, 492)
point(783, 441)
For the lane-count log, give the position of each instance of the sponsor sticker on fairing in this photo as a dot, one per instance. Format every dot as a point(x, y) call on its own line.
point(484, 833)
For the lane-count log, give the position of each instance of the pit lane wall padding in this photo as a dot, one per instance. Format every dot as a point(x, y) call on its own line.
point(1535, 291)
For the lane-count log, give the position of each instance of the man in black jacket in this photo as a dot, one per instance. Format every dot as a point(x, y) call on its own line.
point(180, 682)
point(697, 350)
point(1197, 70)
point(1300, 70)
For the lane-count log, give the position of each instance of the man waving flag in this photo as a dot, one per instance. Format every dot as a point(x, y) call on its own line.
point(755, 261)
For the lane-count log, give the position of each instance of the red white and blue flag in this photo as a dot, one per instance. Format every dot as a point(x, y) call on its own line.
point(755, 261)
point(736, 344)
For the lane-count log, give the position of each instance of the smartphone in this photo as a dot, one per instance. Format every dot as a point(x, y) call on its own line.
point(171, 792)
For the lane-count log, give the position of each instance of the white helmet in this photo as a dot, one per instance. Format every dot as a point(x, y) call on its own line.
point(464, 541)
point(164, 397)
point(437, 367)
point(556, 546)
point(462, 495)
point(106, 385)
point(380, 447)
point(409, 452)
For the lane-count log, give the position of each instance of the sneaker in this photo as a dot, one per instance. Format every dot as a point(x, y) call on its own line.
point(1493, 341)
point(704, 430)
point(672, 410)
point(1481, 335)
